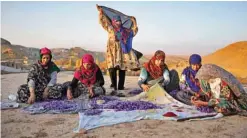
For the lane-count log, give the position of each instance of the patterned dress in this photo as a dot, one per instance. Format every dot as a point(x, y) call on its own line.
point(114, 56)
point(222, 98)
point(41, 78)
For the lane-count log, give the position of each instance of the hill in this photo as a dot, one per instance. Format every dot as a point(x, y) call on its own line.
point(233, 58)
point(18, 52)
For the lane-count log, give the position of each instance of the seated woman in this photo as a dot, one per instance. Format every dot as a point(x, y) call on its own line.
point(154, 71)
point(41, 80)
point(217, 94)
point(87, 81)
point(189, 86)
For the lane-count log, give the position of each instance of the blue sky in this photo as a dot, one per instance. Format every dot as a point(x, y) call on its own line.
point(176, 27)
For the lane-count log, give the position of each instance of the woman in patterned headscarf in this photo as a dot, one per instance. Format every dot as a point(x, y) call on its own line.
point(217, 94)
point(41, 80)
point(88, 80)
point(155, 69)
point(120, 55)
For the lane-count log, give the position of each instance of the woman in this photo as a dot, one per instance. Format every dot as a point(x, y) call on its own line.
point(41, 80)
point(189, 85)
point(154, 71)
point(217, 94)
point(87, 81)
point(120, 55)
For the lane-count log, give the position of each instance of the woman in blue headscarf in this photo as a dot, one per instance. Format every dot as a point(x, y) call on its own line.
point(189, 85)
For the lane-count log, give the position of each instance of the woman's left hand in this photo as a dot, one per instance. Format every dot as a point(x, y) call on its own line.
point(46, 93)
point(90, 89)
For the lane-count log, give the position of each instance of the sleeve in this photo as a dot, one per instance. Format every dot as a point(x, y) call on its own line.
point(223, 101)
point(194, 87)
point(31, 84)
point(143, 77)
point(224, 98)
point(99, 78)
point(166, 76)
point(134, 27)
point(104, 21)
point(53, 80)
point(73, 83)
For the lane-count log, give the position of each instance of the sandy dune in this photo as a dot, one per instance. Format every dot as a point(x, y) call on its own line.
point(16, 124)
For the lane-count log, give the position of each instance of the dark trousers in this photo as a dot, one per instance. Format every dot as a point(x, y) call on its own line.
point(113, 76)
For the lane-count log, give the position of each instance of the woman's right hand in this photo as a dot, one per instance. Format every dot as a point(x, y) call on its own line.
point(31, 99)
point(69, 94)
point(145, 87)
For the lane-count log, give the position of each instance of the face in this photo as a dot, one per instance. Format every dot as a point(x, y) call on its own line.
point(45, 59)
point(195, 67)
point(87, 65)
point(118, 24)
point(159, 62)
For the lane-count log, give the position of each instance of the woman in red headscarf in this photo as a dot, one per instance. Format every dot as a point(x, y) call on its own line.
point(88, 80)
point(41, 80)
point(154, 71)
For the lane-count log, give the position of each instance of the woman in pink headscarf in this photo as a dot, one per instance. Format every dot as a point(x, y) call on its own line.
point(88, 80)
point(41, 80)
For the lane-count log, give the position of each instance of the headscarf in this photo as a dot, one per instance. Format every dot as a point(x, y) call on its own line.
point(195, 59)
point(152, 69)
point(45, 51)
point(87, 76)
point(122, 34)
point(190, 73)
point(51, 66)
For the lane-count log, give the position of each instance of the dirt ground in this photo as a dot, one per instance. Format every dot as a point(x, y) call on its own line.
point(16, 124)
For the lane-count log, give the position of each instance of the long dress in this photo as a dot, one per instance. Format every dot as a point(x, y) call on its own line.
point(41, 79)
point(115, 58)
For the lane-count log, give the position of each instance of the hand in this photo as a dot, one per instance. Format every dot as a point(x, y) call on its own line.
point(193, 98)
point(97, 6)
point(90, 89)
point(145, 87)
point(198, 103)
point(194, 102)
point(69, 94)
point(99, 9)
point(132, 18)
point(46, 93)
point(197, 95)
point(31, 99)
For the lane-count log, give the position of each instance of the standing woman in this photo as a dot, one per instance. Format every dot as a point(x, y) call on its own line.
point(120, 55)
point(41, 79)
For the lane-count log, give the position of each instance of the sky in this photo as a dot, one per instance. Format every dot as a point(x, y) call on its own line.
point(178, 28)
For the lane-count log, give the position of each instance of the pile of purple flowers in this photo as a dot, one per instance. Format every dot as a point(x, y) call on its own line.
point(52, 106)
point(106, 99)
point(59, 105)
point(205, 109)
point(130, 105)
point(118, 105)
